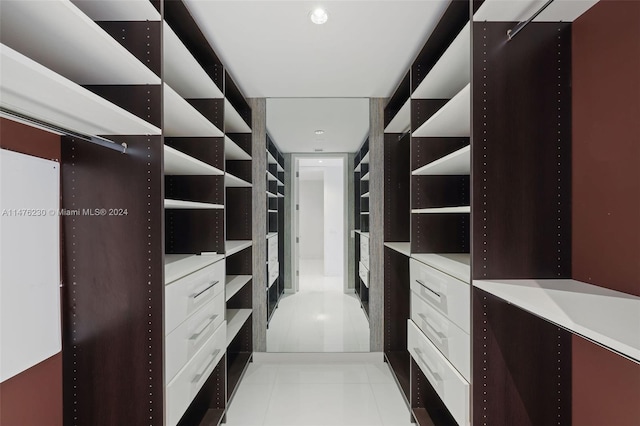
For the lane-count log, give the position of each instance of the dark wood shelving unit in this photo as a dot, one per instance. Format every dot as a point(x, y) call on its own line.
point(361, 211)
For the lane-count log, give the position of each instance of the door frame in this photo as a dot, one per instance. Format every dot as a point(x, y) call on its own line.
point(295, 251)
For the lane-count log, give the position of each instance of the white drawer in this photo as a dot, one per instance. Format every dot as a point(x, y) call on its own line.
point(184, 387)
point(364, 274)
point(183, 342)
point(450, 339)
point(273, 271)
point(186, 295)
point(452, 388)
point(272, 249)
point(447, 294)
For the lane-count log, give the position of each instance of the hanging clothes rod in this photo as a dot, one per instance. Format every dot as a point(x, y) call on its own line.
point(515, 30)
point(25, 119)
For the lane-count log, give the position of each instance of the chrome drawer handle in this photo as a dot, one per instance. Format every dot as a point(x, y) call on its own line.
point(202, 327)
point(428, 288)
point(200, 372)
point(440, 334)
point(199, 293)
point(435, 375)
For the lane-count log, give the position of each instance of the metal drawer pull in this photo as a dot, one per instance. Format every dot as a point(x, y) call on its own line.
point(202, 327)
point(428, 288)
point(200, 372)
point(200, 292)
point(435, 375)
point(440, 334)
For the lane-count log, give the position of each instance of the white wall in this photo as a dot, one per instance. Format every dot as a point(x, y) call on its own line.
point(333, 220)
point(311, 218)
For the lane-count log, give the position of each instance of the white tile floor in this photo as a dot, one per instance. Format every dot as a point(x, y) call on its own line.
point(320, 393)
point(319, 318)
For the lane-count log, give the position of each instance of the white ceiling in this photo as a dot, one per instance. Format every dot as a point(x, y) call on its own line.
point(292, 122)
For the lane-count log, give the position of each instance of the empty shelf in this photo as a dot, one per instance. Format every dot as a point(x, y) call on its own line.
point(357, 169)
point(177, 266)
point(271, 159)
point(119, 10)
point(233, 247)
point(402, 121)
point(365, 177)
point(607, 317)
point(31, 89)
point(365, 213)
point(179, 163)
point(235, 320)
point(234, 284)
point(272, 234)
point(452, 120)
point(230, 181)
point(517, 11)
point(271, 195)
point(280, 169)
point(365, 159)
point(404, 248)
point(458, 209)
point(458, 265)
point(38, 29)
point(364, 234)
point(271, 177)
point(233, 122)
point(233, 152)
point(280, 196)
point(183, 73)
point(452, 71)
point(456, 163)
point(365, 195)
point(272, 211)
point(180, 204)
point(183, 120)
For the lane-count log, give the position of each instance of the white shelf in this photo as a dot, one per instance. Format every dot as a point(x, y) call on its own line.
point(357, 169)
point(404, 248)
point(33, 90)
point(271, 177)
point(230, 181)
point(280, 196)
point(132, 10)
point(606, 317)
point(272, 281)
point(271, 159)
point(177, 266)
point(272, 234)
point(458, 209)
point(456, 163)
point(183, 72)
point(179, 163)
point(367, 213)
point(180, 204)
point(38, 29)
point(280, 169)
point(364, 234)
point(402, 121)
point(365, 195)
point(458, 265)
point(273, 211)
point(452, 120)
point(365, 159)
point(234, 284)
point(183, 120)
point(233, 247)
point(516, 11)
point(233, 123)
point(233, 152)
point(271, 195)
point(365, 177)
point(235, 320)
point(451, 73)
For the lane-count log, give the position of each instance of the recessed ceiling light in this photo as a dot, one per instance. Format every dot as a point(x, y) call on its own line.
point(319, 16)
point(319, 132)
point(319, 161)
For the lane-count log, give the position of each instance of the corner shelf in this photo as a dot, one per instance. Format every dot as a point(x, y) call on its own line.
point(606, 317)
point(459, 209)
point(456, 163)
point(452, 120)
point(180, 204)
point(233, 247)
point(177, 266)
point(179, 163)
point(234, 284)
point(458, 265)
point(230, 181)
point(235, 320)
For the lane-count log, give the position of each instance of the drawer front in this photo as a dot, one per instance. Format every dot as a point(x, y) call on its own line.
point(364, 274)
point(186, 340)
point(186, 295)
point(450, 339)
point(274, 272)
point(272, 249)
point(448, 383)
point(184, 387)
point(447, 294)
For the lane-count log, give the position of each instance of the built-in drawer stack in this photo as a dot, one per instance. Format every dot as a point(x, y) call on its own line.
point(195, 327)
point(439, 335)
point(273, 266)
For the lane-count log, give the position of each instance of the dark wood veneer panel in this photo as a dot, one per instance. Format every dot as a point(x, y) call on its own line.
point(236, 98)
point(203, 189)
point(208, 150)
point(423, 109)
point(521, 366)
point(114, 285)
point(143, 101)
point(193, 231)
point(239, 211)
point(397, 101)
point(427, 150)
point(240, 263)
point(141, 38)
point(397, 214)
point(28, 140)
point(440, 233)
point(243, 140)
point(400, 362)
point(522, 151)
point(606, 146)
point(440, 191)
point(240, 169)
point(211, 109)
point(397, 302)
